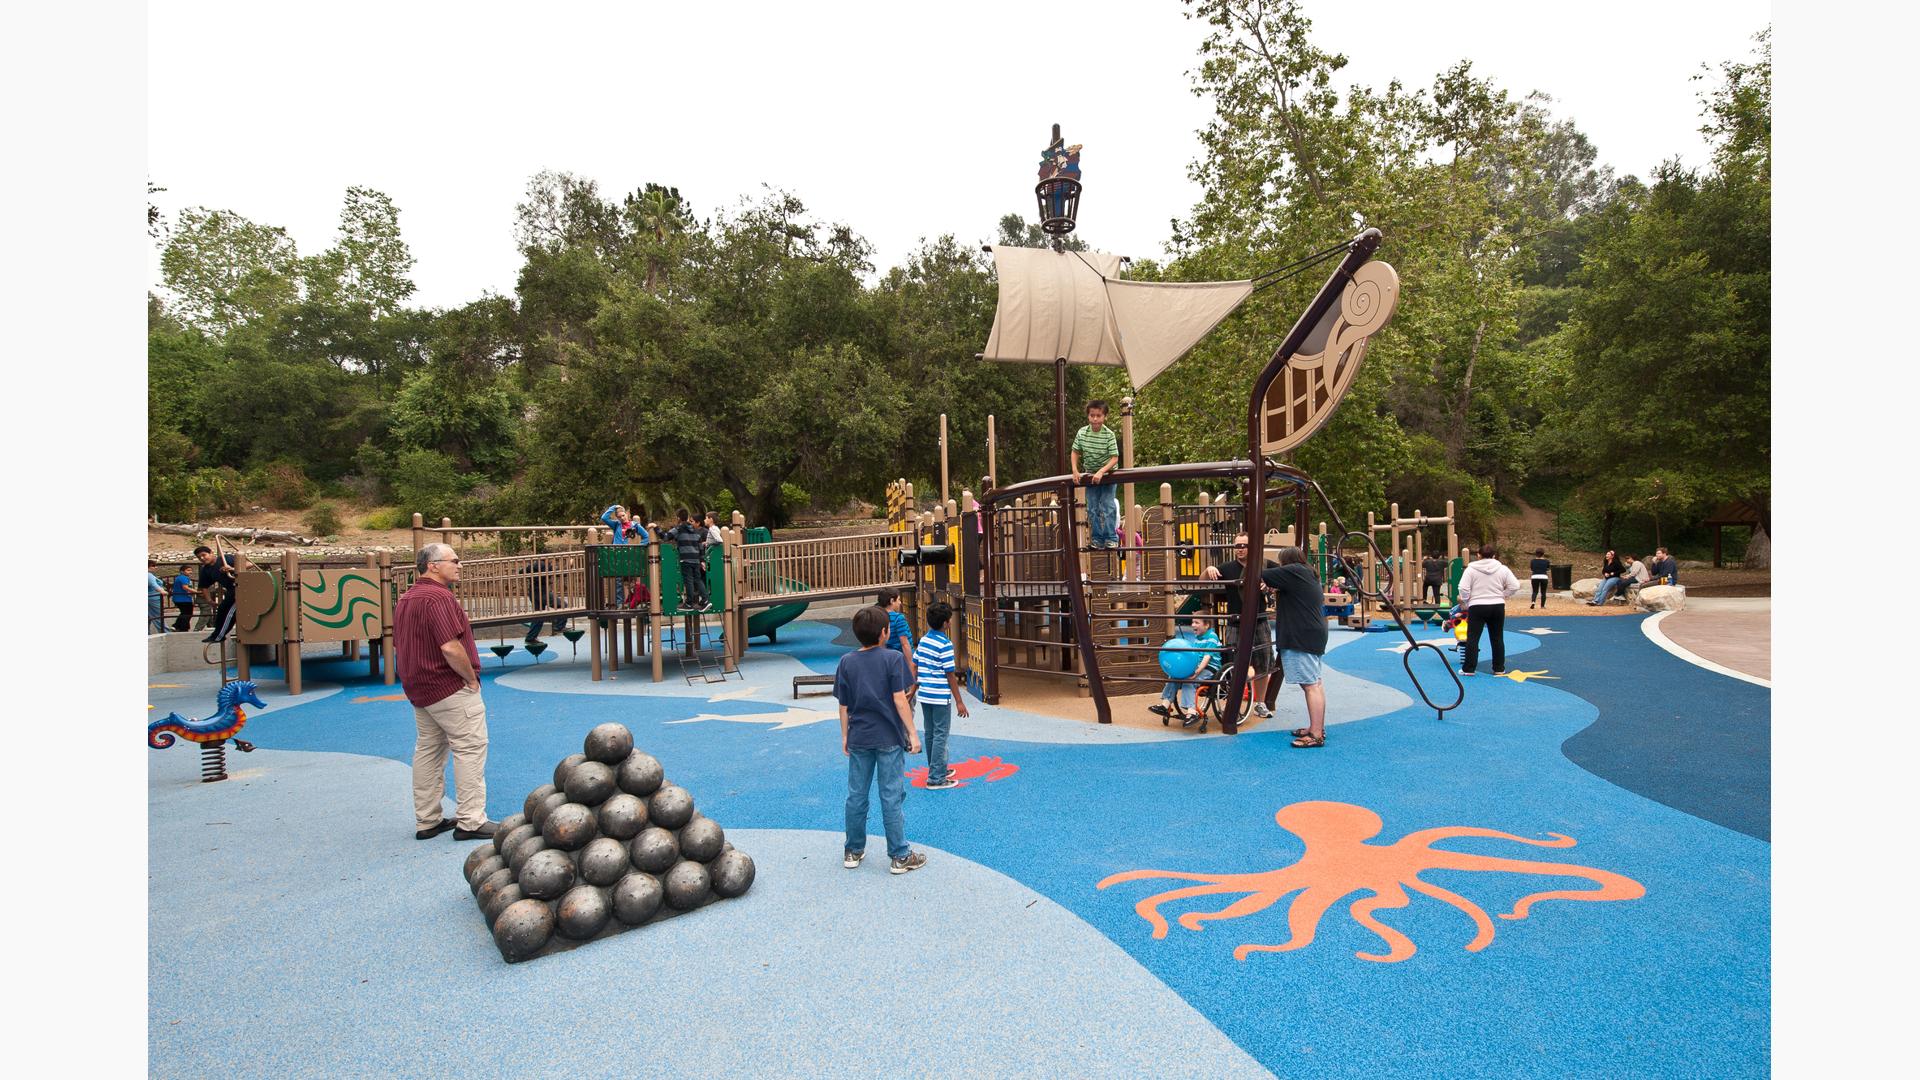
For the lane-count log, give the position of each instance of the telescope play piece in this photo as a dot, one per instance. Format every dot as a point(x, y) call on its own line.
point(608, 846)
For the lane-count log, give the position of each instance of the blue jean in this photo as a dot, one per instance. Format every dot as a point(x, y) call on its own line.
point(890, 766)
point(1103, 514)
point(1608, 587)
point(939, 721)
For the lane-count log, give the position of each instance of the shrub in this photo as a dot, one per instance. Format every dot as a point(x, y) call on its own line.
point(794, 497)
point(428, 482)
point(387, 517)
point(280, 485)
point(323, 520)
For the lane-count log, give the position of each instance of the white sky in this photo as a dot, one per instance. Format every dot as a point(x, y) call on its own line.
point(903, 120)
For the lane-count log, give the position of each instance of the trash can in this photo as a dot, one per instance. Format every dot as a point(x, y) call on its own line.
point(1562, 575)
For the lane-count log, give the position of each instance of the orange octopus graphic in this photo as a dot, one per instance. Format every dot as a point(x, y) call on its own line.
point(1339, 862)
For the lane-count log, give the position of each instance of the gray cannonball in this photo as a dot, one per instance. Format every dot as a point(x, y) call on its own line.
point(505, 829)
point(623, 816)
point(523, 929)
point(654, 850)
point(488, 866)
point(474, 858)
point(569, 827)
point(671, 807)
point(609, 743)
point(589, 783)
point(604, 861)
point(547, 874)
point(524, 850)
point(502, 898)
point(731, 873)
point(582, 912)
point(510, 840)
point(640, 774)
point(566, 765)
point(687, 886)
point(535, 798)
point(547, 806)
point(491, 887)
point(636, 898)
point(702, 840)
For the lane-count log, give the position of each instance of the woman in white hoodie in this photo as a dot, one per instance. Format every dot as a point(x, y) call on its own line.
point(1484, 587)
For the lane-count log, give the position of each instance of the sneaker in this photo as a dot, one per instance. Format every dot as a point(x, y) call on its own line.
point(943, 785)
point(852, 859)
point(912, 860)
point(1464, 673)
point(1498, 674)
point(1260, 710)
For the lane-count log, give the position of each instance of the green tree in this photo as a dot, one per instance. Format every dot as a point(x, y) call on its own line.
point(1663, 386)
point(226, 272)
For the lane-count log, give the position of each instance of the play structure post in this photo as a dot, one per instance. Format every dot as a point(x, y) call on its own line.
point(1060, 435)
point(1077, 599)
point(943, 457)
point(729, 564)
point(387, 666)
point(993, 457)
point(989, 606)
point(1169, 535)
point(593, 602)
point(290, 620)
point(1453, 538)
point(656, 618)
point(419, 531)
point(373, 647)
point(1126, 461)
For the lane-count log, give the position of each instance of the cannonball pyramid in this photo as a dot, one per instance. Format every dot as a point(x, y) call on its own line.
point(608, 846)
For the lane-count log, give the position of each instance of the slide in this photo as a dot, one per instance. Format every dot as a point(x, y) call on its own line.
point(767, 622)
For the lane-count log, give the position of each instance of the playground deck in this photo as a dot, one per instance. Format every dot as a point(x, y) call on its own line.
point(1005, 955)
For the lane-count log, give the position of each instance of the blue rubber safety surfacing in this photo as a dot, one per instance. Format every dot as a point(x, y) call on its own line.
point(316, 883)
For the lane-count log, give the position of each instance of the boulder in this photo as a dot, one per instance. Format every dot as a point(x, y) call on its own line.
point(1661, 598)
point(1585, 588)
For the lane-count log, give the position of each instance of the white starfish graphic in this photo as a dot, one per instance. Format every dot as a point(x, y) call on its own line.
point(786, 718)
point(734, 694)
point(1542, 630)
point(1441, 643)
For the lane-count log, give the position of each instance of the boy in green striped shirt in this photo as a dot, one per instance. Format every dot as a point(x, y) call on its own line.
point(1096, 450)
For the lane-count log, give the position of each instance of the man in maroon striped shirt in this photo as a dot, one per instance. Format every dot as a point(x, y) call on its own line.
point(437, 662)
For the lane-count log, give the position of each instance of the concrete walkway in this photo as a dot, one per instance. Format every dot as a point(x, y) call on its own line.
point(1732, 632)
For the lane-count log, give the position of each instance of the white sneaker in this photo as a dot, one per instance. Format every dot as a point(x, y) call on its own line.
point(943, 785)
point(853, 859)
point(1260, 710)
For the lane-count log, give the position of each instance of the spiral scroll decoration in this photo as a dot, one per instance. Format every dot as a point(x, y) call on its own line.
point(1305, 395)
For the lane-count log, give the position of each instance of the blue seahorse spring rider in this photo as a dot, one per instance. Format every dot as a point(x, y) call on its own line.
point(213, 732)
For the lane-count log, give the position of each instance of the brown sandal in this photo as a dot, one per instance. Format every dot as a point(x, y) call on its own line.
point(1308, 742)
point(1301, 733)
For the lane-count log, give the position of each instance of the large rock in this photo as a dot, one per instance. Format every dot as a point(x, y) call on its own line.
point(1585, 588)
point(1661, 598)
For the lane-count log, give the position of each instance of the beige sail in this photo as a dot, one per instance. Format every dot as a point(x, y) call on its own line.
point(1073, 305)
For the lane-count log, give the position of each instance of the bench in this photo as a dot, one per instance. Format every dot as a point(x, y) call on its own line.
point(810, 680)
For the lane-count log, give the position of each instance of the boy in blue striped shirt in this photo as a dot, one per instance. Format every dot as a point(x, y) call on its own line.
point(938, 694)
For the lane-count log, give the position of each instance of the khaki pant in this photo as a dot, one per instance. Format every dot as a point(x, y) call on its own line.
point(457, 722)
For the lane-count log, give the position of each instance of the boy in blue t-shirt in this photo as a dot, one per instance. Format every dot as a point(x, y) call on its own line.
point(899, 631)
point(875, 723)
point(939, 694)
point(183, 600)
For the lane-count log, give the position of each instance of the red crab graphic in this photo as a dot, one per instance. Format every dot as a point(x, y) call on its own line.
point(1339, 862)
point(980, 768)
